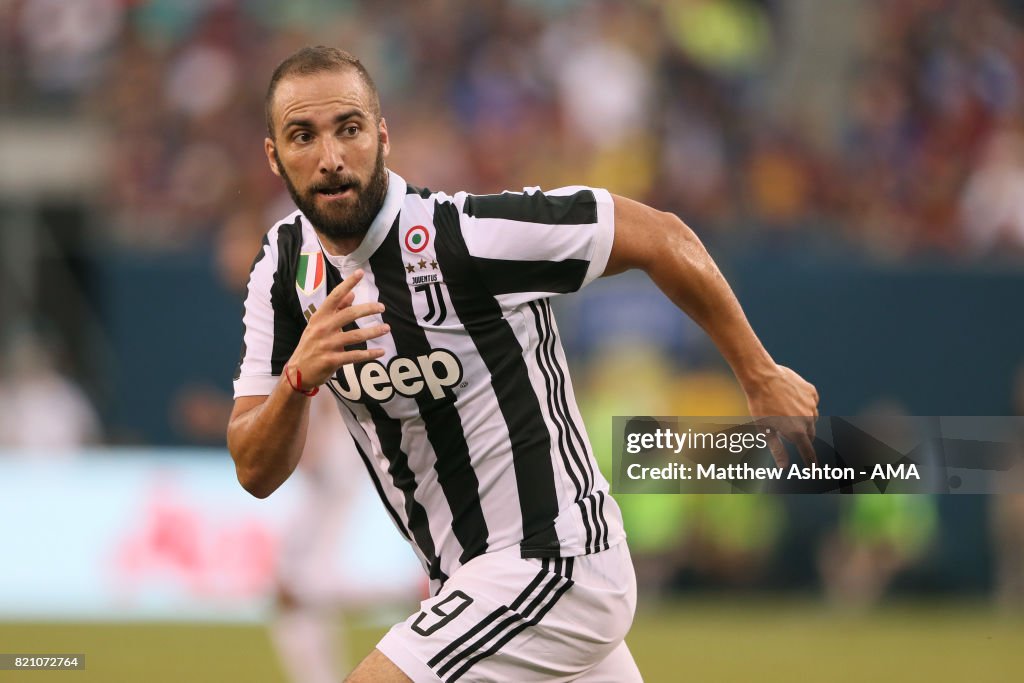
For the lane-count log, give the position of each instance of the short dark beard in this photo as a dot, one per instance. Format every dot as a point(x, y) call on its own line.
point(354, 222)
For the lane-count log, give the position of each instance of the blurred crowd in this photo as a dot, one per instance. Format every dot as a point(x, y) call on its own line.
point(894, 128)
point(692, 105)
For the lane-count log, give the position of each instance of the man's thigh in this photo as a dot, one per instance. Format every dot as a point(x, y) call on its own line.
point(376, 668)
point(501, 617)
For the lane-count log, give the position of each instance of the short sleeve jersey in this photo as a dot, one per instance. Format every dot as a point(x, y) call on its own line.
point(468, 424)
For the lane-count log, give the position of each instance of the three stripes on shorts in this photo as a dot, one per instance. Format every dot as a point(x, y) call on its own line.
point(506, 622)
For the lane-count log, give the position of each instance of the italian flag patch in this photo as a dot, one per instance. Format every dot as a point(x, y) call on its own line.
point(310, 274)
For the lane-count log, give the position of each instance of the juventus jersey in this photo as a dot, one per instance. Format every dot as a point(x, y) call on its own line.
point(468, 424)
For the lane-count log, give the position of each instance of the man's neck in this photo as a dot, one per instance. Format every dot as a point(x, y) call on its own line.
point(340, 247)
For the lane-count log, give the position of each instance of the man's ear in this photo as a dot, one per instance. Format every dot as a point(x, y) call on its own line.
point(382, 135)
point(268, 148)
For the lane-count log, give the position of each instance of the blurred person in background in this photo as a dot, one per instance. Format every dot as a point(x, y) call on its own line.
point(992, 205)
point(314, 590)
point(879, 535)
point(307, 607)
point(733, 536)
point(730, 539)
point(42, 411)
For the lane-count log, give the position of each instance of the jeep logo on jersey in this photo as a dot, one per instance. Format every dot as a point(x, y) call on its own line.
point(433, 372)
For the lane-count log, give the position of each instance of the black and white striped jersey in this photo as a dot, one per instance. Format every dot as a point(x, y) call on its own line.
point(468, 424)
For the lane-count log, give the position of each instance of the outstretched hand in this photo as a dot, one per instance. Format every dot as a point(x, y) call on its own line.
point(322, 348)
point(787, 404)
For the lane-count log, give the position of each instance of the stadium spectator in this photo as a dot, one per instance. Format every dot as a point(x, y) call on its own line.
point(42, 412)
point(683, 99)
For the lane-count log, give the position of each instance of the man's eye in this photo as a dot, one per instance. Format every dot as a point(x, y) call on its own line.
point(351, 130)
point(303, 137)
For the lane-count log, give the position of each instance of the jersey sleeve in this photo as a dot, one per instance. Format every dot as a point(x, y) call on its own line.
point(538, 243)
point(270, 334)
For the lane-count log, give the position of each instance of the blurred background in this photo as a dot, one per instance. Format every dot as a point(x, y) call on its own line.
point(856, 167)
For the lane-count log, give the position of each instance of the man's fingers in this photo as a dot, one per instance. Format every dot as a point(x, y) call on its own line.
point(778, 450)
point(357, 356)
point(332, 305)
point(362, 334)
point(806, 448)
point(338, 293)
point(811, 429)
point(343, 316)
point(343, 302)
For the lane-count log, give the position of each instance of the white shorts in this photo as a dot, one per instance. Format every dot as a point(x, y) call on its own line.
point(504, 618)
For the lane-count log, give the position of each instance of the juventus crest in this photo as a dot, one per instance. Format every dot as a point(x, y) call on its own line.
point(424, 275)
point(436, 308)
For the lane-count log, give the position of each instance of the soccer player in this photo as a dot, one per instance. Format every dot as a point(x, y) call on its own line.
point(427, 316)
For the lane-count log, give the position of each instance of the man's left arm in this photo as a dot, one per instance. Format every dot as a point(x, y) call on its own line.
point(673, 257)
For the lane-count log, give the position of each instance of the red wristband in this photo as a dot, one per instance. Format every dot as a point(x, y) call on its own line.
point(297, 386)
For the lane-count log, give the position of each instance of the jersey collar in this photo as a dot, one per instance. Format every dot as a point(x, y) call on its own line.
point(379, 229)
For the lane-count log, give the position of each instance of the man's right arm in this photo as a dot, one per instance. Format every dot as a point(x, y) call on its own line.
point(266, 434)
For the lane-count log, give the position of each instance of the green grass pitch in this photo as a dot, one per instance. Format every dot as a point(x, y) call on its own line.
point(704, 640)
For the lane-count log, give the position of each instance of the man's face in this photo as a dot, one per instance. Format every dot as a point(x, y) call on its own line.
point(329, 150)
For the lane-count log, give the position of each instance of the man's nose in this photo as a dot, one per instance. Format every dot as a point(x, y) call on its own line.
point(332, 157)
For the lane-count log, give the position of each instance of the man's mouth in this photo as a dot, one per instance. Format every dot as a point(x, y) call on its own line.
point(336, 191)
